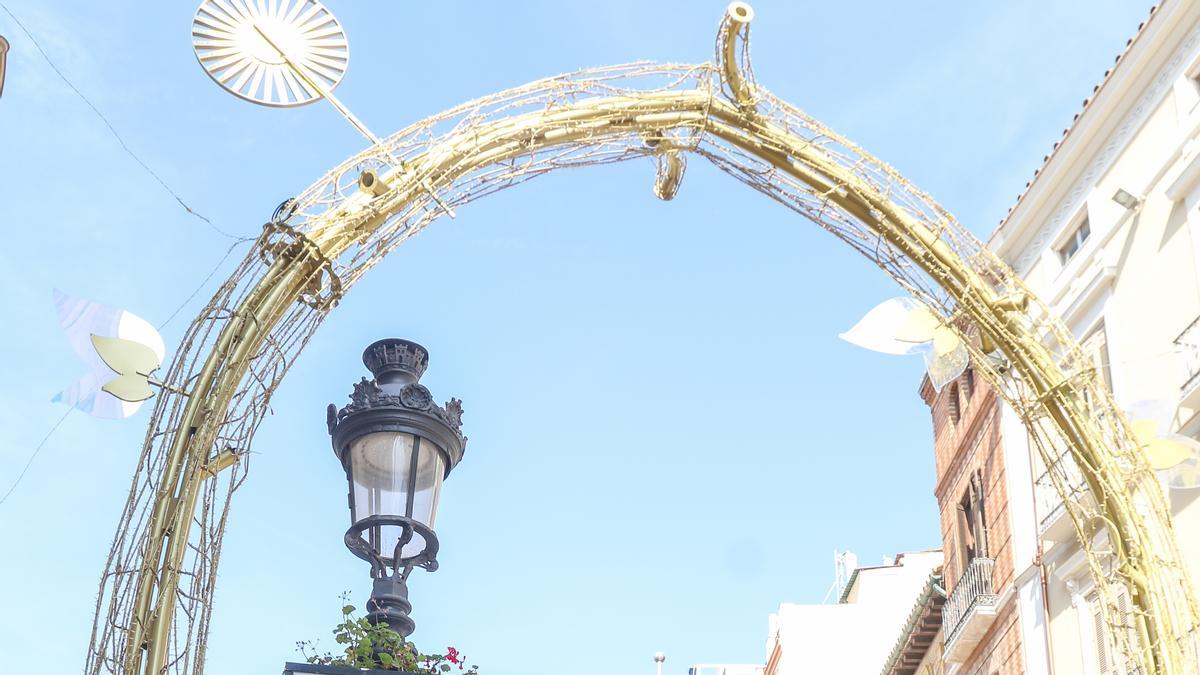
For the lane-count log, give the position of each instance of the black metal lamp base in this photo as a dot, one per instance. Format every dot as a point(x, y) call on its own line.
point(389, 605)
point(389, 594)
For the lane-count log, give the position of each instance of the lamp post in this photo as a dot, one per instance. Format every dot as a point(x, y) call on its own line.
point(396, 446)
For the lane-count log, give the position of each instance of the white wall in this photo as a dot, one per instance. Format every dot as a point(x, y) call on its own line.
point(858, 635)
point(1137, 274)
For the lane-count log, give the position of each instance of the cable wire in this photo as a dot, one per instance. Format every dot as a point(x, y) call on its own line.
point(34, 455)
point(110, 127)
point(203, 283)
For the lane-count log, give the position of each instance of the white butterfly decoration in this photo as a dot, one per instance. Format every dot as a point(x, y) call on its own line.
point(1175, 457)
point(122, 350)
point(904, 326)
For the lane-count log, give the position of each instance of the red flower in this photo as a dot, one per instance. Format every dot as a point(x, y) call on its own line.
point(452, 655)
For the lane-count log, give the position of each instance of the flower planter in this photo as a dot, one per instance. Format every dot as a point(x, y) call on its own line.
point(313, 669)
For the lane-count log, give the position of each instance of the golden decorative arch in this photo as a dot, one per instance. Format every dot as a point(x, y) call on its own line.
point(154, 607)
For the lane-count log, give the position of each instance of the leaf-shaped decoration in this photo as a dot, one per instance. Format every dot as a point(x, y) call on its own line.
point(81, 319)
point(945, 340)
point(85, 395)
point(130, 388)
point(945, 367)
point(904, 326)
point(877, 329)
point(126, 357)
point(132, 362)
point(1162, 452)
point(919, 325)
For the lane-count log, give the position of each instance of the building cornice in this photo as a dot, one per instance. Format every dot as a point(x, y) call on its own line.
point(1133, 89)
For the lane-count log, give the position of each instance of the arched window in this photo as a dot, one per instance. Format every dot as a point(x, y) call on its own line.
point(970, 383)
point(952, 403)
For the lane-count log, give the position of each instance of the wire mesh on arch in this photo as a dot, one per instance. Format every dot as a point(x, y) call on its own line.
point(593, 117)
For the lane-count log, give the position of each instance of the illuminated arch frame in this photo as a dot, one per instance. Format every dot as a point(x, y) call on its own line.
point(154, 605)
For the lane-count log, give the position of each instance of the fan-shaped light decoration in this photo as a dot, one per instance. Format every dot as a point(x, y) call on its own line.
point(245, 46)
point(122, 350)
point(904, 326)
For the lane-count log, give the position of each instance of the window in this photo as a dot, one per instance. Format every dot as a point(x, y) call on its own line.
point(1071, 246)
point(1100, 635)
point(1110, 655)
point(1095, 347)
point(1095, 350)
point(972, 522)
point(952, 404)
point(970, 383)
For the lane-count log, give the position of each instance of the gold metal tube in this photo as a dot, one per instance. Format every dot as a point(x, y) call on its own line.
point(736, 26)
point(593, 121)
point(265, 315)
point(280, 287)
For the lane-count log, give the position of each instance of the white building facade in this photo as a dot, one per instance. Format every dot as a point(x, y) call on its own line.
point(856, 635)
point(1108, 234)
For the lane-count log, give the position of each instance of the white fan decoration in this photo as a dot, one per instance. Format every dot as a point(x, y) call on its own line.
point(904, 326)
point(246, 46)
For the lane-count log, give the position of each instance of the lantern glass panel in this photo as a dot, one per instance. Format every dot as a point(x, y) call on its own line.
point(395, 474)
point(430, 472)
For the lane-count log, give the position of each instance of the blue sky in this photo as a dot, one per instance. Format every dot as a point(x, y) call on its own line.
point(667, 439)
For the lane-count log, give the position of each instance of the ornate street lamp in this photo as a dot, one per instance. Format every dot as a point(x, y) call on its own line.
point(396, 446)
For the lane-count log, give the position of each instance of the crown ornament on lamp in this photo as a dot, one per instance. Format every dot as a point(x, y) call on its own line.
point(387, 357)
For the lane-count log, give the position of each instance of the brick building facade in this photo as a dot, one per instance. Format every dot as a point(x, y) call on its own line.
point(980, 627)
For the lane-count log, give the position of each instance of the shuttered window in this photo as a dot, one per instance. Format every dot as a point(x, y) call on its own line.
point(1095, 347)
point(1111, 658)
point(1100, 636)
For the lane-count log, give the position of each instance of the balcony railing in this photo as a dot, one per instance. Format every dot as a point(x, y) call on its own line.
point(972, 592)
point(1188, 343)
point(726, 669)
point(1047, 501)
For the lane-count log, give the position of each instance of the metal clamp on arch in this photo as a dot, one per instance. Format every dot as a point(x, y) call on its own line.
point(280, 240)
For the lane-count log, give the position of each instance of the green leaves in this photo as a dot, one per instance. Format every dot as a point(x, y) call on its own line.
point(367, 645)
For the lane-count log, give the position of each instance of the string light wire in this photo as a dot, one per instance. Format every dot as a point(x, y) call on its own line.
point(121, 141)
